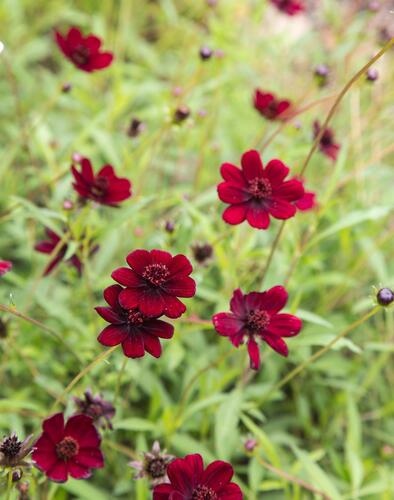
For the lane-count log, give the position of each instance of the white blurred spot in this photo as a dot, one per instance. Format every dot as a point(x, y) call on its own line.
point(1, 46)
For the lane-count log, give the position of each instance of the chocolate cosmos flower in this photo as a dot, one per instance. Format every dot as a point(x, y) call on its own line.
point(154, 282)
point(255, 317)
point(254, 193)
point(289, 7)
point(136, 332)
point(327, 144)
point(82, 51)
point(269, 106)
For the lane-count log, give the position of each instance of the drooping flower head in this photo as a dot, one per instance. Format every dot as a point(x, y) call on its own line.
point(13, 452)
point(290, 7)
point(271, 107)
point(104, 187)
point(255, 317)
point(254, 192)
point(83, 51)
point(5, 266)
point(68, 450)
point(154, 282)
point(153, 466)
point(190, 481)
point(130, 327)
point(327, 144)
point(97, 408)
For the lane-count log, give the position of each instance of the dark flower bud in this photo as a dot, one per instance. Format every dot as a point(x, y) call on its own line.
point(372, 75)
point(202, 252)
point(385, 296)
point(250, 445)
point(205, 53)
point(17, 475)
point(68, 205)
point(97, 408)
point(66, 87)
point(13, 452)
point(181, 114)
point(169, 226)
point(322, 73)
point(135, 128)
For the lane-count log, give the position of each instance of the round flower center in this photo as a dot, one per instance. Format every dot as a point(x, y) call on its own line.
point(156, 468)
point(134, 317)
point(203, 492)
point(100, 186)
point(81, 55)
point(260, 188)
point(67, 448)
point(257, 320)
point(10, 447)
point(156, 274)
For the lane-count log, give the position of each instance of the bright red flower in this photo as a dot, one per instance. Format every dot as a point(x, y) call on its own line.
point(136, 332)
point(327, 143)
point(104, 187)
point(84, 52)
point(49, 246)
point(289, 7)
point(271, 107)
point(72, 449)
point(190, 481)
point(5, 266)
point(254, 193)
point(254, 317)
point(154, 282)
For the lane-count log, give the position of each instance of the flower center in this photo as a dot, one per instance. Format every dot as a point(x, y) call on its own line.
point(156, 468)
point(326, 139)
point(100, 186)
point(81, 55)
point(156, 274)
point(257, 320)
point(67, 448)
point(203, 492)
point(10, 447)
point(134, 317)
point(260, 188)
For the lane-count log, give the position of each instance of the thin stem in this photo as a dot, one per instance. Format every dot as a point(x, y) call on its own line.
point(40, 325)
point(119, 380)
point(287, 477)
point(273, 248)
point(9, 484)
point(298, 369)
point(81, 374)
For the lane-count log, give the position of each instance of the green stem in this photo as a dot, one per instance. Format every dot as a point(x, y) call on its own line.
point(119, 380)
point(273, 248)
point(9, 485)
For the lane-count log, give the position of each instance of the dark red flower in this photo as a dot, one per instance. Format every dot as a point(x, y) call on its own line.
point(190, 481)
point(271, 107)
point(289, 7)
point(254, 317)
point(254, 193)
point(49, 246)
point(307, 202)
point(327, 143)
point(72, 449)
point(84, 52)
point(154, 282)
point(5, 266)
point(136, 332)
point(103, 187)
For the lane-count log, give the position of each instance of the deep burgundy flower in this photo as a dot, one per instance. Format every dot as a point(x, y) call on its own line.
point(254, 193)
point(52, 244)
point(83, 51)
point(104, 187)
point(136, 332)
point(154, 282)
point(255, 317)
point(327, 143)
point(5, 266)
point(289, 7)
point(97, 408)
point(72, 449)
point(190, 481)
point(202, 252)
point(270, 107)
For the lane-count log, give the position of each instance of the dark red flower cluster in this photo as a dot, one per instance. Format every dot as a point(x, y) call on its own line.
point(254, 192)
point(72, 449)
point(270, 107)
point(255, 317)
point(289, 7)
point(104, 187)
point(190, 481)
point(151, 287)
point(82, 51)
point(327, 144)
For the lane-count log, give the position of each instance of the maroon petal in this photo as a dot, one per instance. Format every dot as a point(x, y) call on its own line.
point(229, 192)
point(277, 344)
point(307, 202)
point(274, 299)
point(161, 257)
point(151, 302)
point(133, 345)
point(152, 345)
point(110, 315)
point(78, 471)
point(113, 335)
point(62, 43)
point(232, 173)
point(254, 300)
point(87, 170)
point(111, 295)
point(129, 298)
point(281, 209)
point(90, 457)
point(237, 303)
point(217, 475)
point(196, 466)
point(53, 263)
point(252, 166)
point(127, 277)
point(181, 474)
point(74, 37)
point(159, 328)
point(258, 217)
point(282, 107)
point(254, 354)
point(181, 287)
point(235, 214)
point(179, 266)
point(44, 455)
point(92, 43)
point(284, 325)
point(54, 427)
point(276, 172)
point(82, 429)
point(138, 260)
point(291, 190)
point(106, 171)
point(58, 472)
point(174, 308)
point(45, 246)
point(102, 60)
point(163, 492)
point(227, 324)
point(231, 492)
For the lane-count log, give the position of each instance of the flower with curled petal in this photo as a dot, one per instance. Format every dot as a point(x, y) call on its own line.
point(268, 105)
point(327, 144)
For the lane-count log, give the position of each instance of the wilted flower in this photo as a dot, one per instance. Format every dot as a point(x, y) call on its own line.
point(5, 266)
point(289, 7)
point(153, 466)
point(14, 452)
point(269, 106)
point(135, 128)
point(82, 51)
point(202, 252)
point(72, 449)
point(255, 317)
point(96, 407)
point(385, 296)
point(327, 143)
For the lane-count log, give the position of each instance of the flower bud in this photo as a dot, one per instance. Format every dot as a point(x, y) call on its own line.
point(385, 296)
point(205, 53)
point(372, 75)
